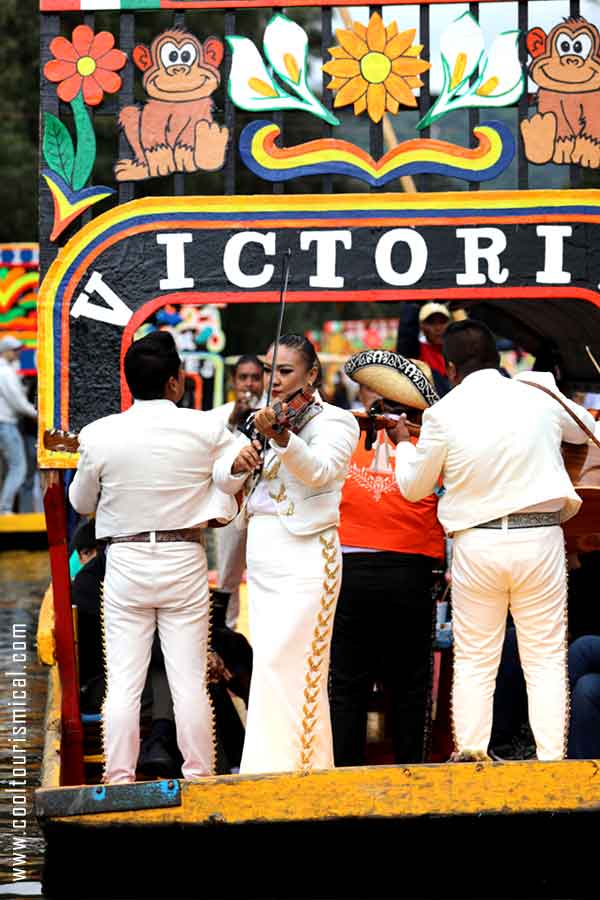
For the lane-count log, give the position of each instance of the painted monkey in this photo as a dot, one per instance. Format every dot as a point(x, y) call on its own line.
point(566, 68)
point(174, 130)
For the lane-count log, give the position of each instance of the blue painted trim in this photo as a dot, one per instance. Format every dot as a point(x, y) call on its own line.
point(332, 167)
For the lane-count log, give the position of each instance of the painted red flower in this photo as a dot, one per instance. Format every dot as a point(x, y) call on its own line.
point(87, 61)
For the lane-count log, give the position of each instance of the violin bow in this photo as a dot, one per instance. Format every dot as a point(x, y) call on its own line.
point(285, 275)
point(593, 359)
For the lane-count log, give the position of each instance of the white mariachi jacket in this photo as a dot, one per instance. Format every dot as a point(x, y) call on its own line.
point(306, 478)
point(150, 468)
point(496, 444)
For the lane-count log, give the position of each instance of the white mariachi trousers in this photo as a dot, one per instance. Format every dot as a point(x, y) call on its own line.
point(522, 569)
point(231, 556)
point(150, 586)
point(293, 586)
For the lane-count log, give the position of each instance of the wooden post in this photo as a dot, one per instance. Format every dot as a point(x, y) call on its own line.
point(72, 770)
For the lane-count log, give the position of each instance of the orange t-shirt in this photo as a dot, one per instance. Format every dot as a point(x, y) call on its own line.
point(375, 515)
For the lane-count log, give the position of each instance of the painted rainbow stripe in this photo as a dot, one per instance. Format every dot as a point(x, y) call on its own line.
point(69, 204)
point(13, 290)
point(266, 211)
point(328, 156)
point(129, 5)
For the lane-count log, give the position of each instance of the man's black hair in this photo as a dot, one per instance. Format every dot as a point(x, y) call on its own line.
point(247, 358)
point(471, 346)
point(149, 363)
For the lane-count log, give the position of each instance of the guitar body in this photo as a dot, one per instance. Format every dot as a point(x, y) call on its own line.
point(582, 462)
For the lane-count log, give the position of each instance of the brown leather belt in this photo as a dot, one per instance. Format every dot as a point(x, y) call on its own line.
point(189, 535)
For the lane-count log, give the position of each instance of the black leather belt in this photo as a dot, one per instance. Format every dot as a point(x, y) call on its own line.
point(189, 535)
point(524, 520)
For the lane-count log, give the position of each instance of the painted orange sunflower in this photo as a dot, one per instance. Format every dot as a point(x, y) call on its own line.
point(89, 62)
point(375, 68)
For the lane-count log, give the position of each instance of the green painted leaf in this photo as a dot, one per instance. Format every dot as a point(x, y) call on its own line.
point(86, 143)
point(58, 147)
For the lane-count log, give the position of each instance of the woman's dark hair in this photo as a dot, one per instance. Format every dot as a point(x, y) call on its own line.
point(247, 358)
point(84, 537)
point(149, 363)
point(471, 346)
point(306, 349)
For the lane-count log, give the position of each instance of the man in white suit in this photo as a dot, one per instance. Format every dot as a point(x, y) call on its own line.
point(496, 445)
point(147, 473)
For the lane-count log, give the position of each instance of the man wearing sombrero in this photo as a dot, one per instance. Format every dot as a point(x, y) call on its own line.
point(496, 444)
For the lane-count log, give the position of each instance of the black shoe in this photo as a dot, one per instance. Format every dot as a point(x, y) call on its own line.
point(159, 758)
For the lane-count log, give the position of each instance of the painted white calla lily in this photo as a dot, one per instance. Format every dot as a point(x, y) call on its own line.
point(461, 46)
point(500, 80)
point(251, 85)
point(286, 47)
point(502, 74)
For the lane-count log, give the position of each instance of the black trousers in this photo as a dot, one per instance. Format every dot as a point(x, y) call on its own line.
point(383, 630)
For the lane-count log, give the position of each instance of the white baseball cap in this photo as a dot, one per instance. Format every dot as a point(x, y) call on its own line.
point(432, 309)
point(10, 343)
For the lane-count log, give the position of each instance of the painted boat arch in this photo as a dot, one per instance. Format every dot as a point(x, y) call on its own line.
point(129, 262)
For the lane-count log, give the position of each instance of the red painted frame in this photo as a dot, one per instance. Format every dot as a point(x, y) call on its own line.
point(72, 768)
point(53, 6)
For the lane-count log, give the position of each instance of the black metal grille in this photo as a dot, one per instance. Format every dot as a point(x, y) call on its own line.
point(233, 178)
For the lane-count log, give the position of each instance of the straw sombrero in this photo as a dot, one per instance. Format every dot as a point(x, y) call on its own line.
point(393, 377)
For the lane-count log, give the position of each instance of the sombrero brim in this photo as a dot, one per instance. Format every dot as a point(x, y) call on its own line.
point(393, 377)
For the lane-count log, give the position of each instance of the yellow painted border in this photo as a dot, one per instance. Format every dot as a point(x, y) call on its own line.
point(46, 646)
point(376, 792)
point(50, 774)
point(22, 522)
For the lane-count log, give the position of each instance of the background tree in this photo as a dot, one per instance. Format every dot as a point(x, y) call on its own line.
point(19, 116)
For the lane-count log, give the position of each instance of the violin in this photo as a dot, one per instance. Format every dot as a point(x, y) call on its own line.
point(292, 418)
point(297, 404)
point(385, 414)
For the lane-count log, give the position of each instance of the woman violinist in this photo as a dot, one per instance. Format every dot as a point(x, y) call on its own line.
point(294, 565)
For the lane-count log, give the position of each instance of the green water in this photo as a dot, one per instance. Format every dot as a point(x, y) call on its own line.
point(24, 577)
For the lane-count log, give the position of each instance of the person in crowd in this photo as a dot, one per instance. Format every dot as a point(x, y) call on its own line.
point(384, 619)
point(30, 493)
point(294, 566)
point(584, 576)
point(496, 444)
point(13, 404)
point(431, 319)
point(584, 678)
point(247, 383)
point(86, 594)
point(148, 475)
point(232, 665)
